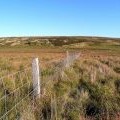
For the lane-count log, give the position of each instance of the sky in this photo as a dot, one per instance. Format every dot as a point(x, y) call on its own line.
point(60, 18)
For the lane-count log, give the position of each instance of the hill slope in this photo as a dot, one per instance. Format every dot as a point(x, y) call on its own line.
point(54, 41)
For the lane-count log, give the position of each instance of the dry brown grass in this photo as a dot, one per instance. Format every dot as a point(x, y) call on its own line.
point(92, 66)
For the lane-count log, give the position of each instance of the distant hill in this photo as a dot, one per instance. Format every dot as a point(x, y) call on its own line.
point(54, 41)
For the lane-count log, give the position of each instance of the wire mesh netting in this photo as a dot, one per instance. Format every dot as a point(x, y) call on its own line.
point(14, 89)
point(16, 93)
point(68, 92)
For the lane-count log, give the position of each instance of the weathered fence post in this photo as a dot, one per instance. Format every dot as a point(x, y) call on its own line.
point(36, 77)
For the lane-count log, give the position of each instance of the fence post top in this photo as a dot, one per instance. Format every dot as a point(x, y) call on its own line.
point(35, 59)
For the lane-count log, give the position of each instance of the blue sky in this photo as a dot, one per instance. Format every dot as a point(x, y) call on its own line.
point(60, 17)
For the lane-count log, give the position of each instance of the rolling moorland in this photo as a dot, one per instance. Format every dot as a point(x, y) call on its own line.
point(88, 90)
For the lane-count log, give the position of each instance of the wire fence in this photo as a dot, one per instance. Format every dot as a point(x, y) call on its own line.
point(17, 90)
point(37, 93)
point(14, 88)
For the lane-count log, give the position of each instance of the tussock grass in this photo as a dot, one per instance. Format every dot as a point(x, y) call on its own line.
point(89, 89)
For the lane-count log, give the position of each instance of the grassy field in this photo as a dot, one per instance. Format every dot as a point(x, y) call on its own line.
point(89, 89)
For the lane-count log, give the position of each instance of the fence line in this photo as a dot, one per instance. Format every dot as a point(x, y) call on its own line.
point(17, 104)
point(29, 81)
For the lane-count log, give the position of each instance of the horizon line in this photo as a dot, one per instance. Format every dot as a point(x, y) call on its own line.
point(95, 36)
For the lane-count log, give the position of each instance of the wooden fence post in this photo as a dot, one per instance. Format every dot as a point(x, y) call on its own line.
point(36, 77)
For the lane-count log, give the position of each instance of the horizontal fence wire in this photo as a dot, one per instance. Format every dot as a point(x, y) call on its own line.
point(14, 88)
point(18, 103)
point(22, 87)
